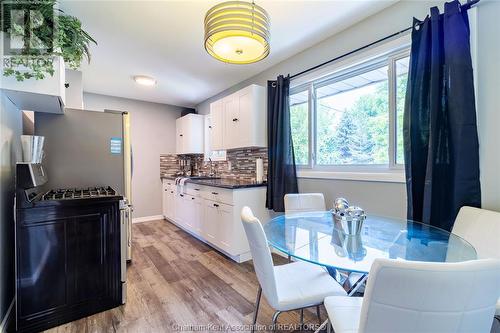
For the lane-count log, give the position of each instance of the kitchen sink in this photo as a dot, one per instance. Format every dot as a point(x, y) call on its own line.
point(204, 178)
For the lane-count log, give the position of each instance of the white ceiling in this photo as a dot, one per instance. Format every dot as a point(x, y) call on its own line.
point(164, 39)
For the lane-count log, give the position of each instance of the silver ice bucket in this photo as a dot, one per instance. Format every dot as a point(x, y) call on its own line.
point(350, 225)
point(347, 218)
point(32, 148)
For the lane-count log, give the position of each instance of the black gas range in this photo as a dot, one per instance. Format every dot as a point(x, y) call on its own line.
point(70, 251)
point(31, 190)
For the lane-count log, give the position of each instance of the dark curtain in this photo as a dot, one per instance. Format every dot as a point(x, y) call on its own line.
point(440, 133)
point(281, 174)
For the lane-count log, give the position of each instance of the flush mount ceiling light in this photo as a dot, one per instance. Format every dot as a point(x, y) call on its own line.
point(144, 80)
point(237, 32)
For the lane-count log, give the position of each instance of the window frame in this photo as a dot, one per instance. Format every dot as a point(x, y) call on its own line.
point(296, 90)
point(393, 99)
point(367, 64)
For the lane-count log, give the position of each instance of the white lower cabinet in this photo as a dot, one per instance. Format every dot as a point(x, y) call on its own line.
point(226, 228)
point(192, 213)
point(218, 224)
point(165, 203)
point(168, 200)
point(209, 226)
point(171, 203)
point(213, 214)
point(179, 209)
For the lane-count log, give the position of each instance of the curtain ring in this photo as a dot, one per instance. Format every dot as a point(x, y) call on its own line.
point(273, 84)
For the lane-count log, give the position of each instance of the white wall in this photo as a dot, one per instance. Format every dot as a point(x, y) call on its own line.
point(10, 153)
point(152, 134)
point(376, 197)
point(390, 198)
point(488, 100)
point(382, 24)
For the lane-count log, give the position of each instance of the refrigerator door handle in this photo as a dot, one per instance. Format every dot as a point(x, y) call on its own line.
point(131, 162)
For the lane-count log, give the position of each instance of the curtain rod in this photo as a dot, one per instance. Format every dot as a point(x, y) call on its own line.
point(465, 6)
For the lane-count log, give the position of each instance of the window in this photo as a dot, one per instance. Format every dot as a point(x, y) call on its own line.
point(216, 155)
point(352, 119)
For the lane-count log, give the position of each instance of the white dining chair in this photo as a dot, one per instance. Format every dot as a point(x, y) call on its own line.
point(304, 202)
point(481, 228)
point(288, 287)
point(406, 296)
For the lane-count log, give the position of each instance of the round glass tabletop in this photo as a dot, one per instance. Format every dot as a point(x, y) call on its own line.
point(312, 237)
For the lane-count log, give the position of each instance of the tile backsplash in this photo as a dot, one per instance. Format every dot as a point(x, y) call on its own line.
point(240, 164)
point(169, 164)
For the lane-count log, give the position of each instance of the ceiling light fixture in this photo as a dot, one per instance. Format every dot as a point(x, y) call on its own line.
point(144, 80)
point(237, 32)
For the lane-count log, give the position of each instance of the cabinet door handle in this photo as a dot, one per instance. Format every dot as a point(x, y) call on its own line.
point(196, 189)
point(216, 205)
point(182, 195)
point(215, 193)
point(210, 127)
point(235, 119)
point(180, 135)
point(172, 192)
point(192, 198)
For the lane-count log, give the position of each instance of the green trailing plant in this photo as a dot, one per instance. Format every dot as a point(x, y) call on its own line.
point(72, 41)
point(58, 34)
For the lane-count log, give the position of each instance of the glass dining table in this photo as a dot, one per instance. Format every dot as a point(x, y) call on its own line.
point(313, 237)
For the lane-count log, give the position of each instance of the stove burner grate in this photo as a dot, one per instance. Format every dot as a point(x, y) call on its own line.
point(79, 193)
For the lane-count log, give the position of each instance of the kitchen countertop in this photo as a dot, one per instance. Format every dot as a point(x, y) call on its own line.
point(228, 183)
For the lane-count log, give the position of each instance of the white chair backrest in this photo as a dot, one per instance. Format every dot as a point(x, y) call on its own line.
point(261, 255)
point(404, 296)
point(481, 228)
point(304, 202)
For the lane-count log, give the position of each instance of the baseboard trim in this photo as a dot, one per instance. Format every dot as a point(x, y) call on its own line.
point(147, 218)
point(5, 320)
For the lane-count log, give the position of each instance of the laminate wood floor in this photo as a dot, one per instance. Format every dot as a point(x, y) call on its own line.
point(175, 281)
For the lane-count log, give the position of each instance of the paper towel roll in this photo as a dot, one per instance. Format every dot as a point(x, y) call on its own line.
point(259, 170)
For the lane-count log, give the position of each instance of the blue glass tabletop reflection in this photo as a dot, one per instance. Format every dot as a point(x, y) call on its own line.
point(312, 237)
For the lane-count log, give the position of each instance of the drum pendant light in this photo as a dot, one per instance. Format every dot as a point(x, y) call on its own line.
point(237, 32)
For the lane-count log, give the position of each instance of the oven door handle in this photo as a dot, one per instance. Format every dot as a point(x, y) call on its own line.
point(123, 241)
point(129, 211)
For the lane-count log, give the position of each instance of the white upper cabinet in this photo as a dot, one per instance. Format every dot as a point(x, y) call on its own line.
point(207, 144)
point(239, 120)
point(190, 134)
point(179, 136)
point(74, 90)
point(47, 95)
point(233, 122)
point(217, 125)
point(209, 154)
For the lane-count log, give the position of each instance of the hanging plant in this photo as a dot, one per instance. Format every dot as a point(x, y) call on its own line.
point(57, 34)
point(72, 41)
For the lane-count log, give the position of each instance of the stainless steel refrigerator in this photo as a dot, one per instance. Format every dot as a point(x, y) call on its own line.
point(88, 148)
